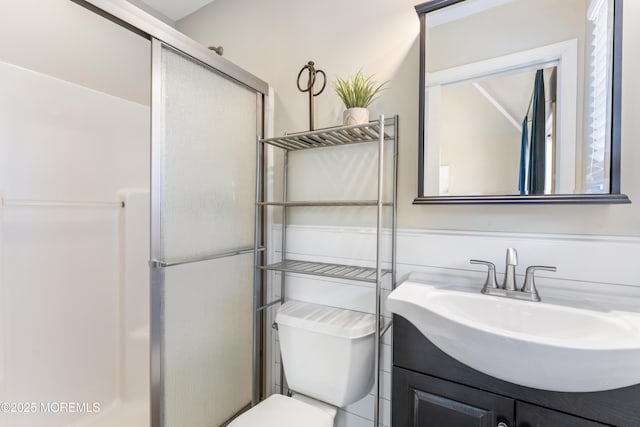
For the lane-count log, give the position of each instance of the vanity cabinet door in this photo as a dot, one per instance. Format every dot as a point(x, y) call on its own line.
point(424, 401)
point(535, 416)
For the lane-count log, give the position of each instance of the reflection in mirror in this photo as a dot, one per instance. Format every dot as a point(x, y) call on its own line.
point(502, 116)
point(519, 98)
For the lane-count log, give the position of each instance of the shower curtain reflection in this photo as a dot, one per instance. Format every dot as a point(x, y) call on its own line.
point(532, 156)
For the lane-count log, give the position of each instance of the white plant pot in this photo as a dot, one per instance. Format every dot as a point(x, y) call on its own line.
point(355, 116)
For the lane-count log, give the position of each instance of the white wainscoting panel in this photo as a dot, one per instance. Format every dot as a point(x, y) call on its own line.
point(602, 270)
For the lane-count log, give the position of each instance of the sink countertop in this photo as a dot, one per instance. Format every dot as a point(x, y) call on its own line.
point(553, 290)
point(572, 341)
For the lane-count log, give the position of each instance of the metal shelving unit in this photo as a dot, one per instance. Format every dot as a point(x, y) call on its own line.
point(382, 131)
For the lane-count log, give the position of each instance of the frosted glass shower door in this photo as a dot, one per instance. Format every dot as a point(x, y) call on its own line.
point(203, 204)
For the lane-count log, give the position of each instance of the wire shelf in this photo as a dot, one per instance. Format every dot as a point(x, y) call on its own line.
point(325, 203)
point(337, 271)
point(331, 137)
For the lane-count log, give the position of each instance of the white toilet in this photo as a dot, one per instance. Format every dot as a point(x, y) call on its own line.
point(328, 359)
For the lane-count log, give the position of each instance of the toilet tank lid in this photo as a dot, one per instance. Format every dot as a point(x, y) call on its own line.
point(326, 320)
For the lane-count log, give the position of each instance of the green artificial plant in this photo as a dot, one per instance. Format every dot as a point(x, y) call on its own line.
point(358, 92)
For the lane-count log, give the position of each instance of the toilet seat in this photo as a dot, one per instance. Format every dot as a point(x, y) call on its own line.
point(282, 411)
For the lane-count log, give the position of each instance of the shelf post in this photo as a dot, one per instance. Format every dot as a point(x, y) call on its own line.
point(284, 248)
point(376, 407)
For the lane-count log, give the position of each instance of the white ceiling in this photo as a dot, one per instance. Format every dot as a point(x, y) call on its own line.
point(176, 9)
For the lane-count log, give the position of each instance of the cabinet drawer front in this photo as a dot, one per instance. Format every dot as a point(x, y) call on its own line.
point(528, 415)
point(425, 401)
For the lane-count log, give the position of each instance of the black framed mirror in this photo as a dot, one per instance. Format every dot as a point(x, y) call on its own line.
point(520, 101)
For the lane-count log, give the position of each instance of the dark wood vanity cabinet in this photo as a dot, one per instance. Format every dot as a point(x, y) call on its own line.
point(425, 401)
point(528, 415)
point(431, 389)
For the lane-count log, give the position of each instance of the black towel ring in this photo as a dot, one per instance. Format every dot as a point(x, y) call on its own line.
point(311, 83)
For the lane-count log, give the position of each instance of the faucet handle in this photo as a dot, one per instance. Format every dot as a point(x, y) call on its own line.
point(529, 280)
point(490, 282)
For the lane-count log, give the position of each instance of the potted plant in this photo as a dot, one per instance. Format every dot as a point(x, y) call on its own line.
point(357, 94)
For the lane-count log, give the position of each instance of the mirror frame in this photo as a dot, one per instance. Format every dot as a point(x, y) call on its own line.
point(613, 197)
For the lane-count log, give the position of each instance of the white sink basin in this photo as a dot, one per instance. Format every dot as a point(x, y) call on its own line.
point(534, 344)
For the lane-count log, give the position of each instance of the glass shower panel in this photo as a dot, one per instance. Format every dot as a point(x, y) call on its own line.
point(203, 205)
point(207, 341)
point(209, 150)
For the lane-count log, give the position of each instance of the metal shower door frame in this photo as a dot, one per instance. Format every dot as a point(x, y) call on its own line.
point(157, 263)
point(160, 34)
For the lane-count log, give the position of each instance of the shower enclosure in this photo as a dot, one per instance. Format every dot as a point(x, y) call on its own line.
point(180, 346)
point(206, 117)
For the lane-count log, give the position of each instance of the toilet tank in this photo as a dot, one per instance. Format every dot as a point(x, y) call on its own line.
point(327, 352)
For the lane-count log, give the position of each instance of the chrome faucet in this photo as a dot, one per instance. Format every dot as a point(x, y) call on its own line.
point(509, 282)
point(509, 287)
